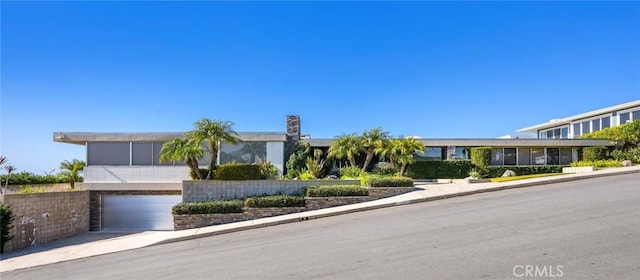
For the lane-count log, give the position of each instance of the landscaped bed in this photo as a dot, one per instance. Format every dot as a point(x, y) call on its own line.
point(522, 177)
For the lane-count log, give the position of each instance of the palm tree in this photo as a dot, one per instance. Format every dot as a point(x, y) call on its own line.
point(389, 151)
point(373, 140)
point(212, 133)
point(346, 146)
point(9, 169)
point(187, 150)
point(406, 147)
point(70, 170)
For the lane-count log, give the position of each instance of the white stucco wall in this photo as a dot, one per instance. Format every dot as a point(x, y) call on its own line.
point(135, 174)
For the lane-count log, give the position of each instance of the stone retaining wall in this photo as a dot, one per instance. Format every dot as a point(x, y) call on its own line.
point(210, 190)
point(314, 203)
point(378, 193)
point(45, 217)
point(181, 222)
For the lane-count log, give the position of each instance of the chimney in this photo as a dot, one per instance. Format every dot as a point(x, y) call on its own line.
point(293, 135)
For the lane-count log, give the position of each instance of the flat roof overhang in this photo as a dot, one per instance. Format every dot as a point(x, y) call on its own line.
point(469, 142)
point(81, 138)
point(568, 120)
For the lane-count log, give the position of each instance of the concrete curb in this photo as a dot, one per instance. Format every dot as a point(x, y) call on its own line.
point(302, 217)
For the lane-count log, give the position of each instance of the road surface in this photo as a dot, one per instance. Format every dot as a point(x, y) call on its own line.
point(588, 229)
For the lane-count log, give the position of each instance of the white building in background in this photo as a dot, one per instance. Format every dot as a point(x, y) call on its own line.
point(574, 126)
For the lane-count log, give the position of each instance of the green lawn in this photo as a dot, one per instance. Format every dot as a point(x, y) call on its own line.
point(507, 179)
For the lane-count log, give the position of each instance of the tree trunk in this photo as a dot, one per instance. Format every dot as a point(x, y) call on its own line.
point(402, 169)
point(193, 164)
point(367, 160)
point(352, 161)
point(214, 158)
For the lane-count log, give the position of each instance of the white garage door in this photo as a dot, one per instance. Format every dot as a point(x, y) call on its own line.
point(138, 212)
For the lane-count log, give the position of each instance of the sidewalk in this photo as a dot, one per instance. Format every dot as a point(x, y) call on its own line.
point(98, 243)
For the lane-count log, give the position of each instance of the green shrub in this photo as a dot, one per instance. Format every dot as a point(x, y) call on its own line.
point(626, 135)
point(6, 224)
point(30, 189)
point(28, 178)
point(514, 178)
point(365, 177)
point(350, 172)
point(446, 169)
point(386, 171)
point(337, 190)
point(481, 157)
point(208, 207)
point(203, 172)
point(307, 176)
point(274, 201)
point(631, 154)
point(267, 170)
point(594, 153)
point(237, 171)
point(497, 171)
point(597, 163)
point(391, 182)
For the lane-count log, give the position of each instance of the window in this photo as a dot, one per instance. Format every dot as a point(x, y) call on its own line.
point(244, 152)
point(576, 130)
point(553, 156)
point(586, 128)
point(461, 153)
point(636, 115)
point(141, 153)
point(157, 146)
point(565, 156)
point(565, 133)
point(537, 155)
point(606, 122)
point(431, 153)
point(497, 156)
point(542, 135)
point(624, 118)
point(108, 153)
point(510, 156)
point(595, 125)
point(524, 156)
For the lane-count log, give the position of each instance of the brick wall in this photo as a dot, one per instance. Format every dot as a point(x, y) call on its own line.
point(45, 217)
point(314, 203)
point(193, 191)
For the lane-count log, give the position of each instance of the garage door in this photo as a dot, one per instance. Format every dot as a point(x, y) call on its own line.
point(138, 212)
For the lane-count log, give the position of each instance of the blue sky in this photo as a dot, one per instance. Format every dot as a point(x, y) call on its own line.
point(433, 69)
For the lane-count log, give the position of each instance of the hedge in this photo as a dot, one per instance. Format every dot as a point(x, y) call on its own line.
point(337, 190)
point(594, 153)
point(203, 173)
point(597, 163)
point(6, 224)
point(208, 207)
point(497, 171)
point(274, 201)
point(481, 157)
point(446, 169)
point(238, 172)
point(390, 182)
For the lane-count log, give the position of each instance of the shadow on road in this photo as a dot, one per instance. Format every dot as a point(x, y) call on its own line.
point(69, 241)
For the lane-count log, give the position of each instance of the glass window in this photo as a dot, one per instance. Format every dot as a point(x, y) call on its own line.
point(636, 115)
point(576, 130)
point(537, 155)
point(624, 118)
point(565, 133)
point(586, 128)
point(606, 122)
point(556, 133)
point(553, 156)
point(595, 125)
point(244, 152)
point(524, 156)
point(497, 156)
point(430, 153)
point(462, 153)
point(108, 153)
point(565, 156)
point(141, 154)
point(542, 135)
point(510, 156)
point(157, 146)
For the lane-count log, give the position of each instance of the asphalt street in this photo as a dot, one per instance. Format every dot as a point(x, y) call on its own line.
point(587, 229)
